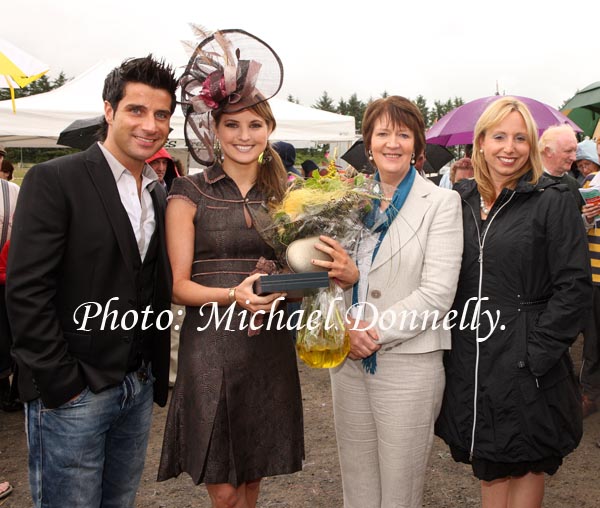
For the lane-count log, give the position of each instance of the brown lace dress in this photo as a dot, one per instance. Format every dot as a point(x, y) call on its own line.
point(236, 409)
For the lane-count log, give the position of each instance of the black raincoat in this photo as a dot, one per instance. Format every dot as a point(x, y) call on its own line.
point(511, 394)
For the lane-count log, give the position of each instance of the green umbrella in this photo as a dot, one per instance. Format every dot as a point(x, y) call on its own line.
point(585, 118)
point(584, 108)
point(588, 97)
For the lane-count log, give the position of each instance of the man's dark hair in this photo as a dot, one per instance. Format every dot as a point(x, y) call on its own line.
point(147, 71)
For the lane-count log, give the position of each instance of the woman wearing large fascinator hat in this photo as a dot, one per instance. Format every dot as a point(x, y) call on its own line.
point(235, 415)
point(230, 70)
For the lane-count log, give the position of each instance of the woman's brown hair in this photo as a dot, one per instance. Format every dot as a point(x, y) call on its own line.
point(399, 111)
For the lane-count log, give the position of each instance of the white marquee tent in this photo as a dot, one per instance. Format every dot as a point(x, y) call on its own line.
point(40, 118)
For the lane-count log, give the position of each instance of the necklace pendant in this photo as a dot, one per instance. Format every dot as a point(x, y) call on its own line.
point(484, 208)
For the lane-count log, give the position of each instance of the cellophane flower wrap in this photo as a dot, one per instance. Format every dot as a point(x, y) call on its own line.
point(333, 205)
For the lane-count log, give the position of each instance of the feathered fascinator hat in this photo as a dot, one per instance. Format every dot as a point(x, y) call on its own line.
point(230, 70)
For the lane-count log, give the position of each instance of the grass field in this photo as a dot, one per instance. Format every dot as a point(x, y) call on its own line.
point(19, 173)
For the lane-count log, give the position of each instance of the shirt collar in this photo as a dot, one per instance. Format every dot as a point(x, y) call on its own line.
point(117, 169)
point(553, 176)
point(214, 173)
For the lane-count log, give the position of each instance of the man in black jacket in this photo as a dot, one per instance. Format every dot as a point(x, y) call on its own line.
point(89, 290)
point(558, 148)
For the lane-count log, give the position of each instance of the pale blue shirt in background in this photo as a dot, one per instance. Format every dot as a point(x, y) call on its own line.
point(445, 182)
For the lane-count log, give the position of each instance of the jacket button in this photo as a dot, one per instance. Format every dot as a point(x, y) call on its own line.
point(521, 364)
point(376, 293)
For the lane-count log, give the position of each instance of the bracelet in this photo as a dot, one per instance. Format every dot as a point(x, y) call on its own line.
point(231, 294)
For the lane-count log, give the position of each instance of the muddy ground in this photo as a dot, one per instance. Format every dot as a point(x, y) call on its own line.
point(318, 485)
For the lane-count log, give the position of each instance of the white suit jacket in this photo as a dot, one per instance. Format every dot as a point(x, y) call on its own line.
point(416, 271)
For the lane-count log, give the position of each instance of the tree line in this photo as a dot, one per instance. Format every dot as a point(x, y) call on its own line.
point(41, 85)
point(353, 106)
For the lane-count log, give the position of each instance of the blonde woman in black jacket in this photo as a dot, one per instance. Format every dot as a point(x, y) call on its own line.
point(511, 404)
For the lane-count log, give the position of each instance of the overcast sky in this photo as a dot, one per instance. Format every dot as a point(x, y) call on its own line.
point(437, 49)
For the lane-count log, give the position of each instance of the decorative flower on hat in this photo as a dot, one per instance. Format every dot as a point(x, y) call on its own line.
point(229, 71)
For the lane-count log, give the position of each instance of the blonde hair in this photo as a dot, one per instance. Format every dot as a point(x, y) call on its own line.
point(492, 116)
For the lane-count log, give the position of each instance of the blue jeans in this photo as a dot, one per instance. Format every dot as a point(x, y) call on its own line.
point(90, 452)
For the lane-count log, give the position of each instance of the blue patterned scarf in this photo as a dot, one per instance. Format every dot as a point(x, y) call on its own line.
point(382, 226)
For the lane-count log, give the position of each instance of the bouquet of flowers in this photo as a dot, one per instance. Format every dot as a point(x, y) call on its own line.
point(332, 205)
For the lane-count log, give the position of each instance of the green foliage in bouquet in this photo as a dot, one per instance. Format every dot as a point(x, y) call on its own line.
point(329, 205)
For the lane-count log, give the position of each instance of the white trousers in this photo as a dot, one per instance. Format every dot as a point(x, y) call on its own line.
point(384, 427)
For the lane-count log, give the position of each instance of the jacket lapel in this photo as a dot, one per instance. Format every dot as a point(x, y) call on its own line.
point(163, 268)
point(406, 224)
point(104, 182)
point(159, 200)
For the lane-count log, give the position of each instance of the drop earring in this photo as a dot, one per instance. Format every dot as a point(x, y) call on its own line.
point(370, 155)
point(412, 159)
point(218, 152)
point(265, 156)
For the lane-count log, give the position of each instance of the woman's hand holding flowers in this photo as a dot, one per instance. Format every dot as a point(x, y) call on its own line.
point(342, 269)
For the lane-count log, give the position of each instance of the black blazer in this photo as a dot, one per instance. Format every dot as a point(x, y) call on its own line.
point(72, 243)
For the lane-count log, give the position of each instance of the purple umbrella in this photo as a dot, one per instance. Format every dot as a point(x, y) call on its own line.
point(456, 127)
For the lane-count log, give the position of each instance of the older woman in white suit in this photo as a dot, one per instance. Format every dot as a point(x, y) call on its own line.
point(388, 392)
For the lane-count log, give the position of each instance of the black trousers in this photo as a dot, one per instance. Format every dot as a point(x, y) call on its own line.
point(6, 361)
point(590, 367)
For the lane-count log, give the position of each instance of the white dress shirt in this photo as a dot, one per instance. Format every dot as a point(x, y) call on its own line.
point(140, 211)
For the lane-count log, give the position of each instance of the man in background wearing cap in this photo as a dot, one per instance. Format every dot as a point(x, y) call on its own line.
point(287, 152)
point(588, 164)
point(164, 166)
point(308, 166)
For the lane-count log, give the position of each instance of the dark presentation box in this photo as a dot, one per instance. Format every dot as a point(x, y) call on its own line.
point(295, 285)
